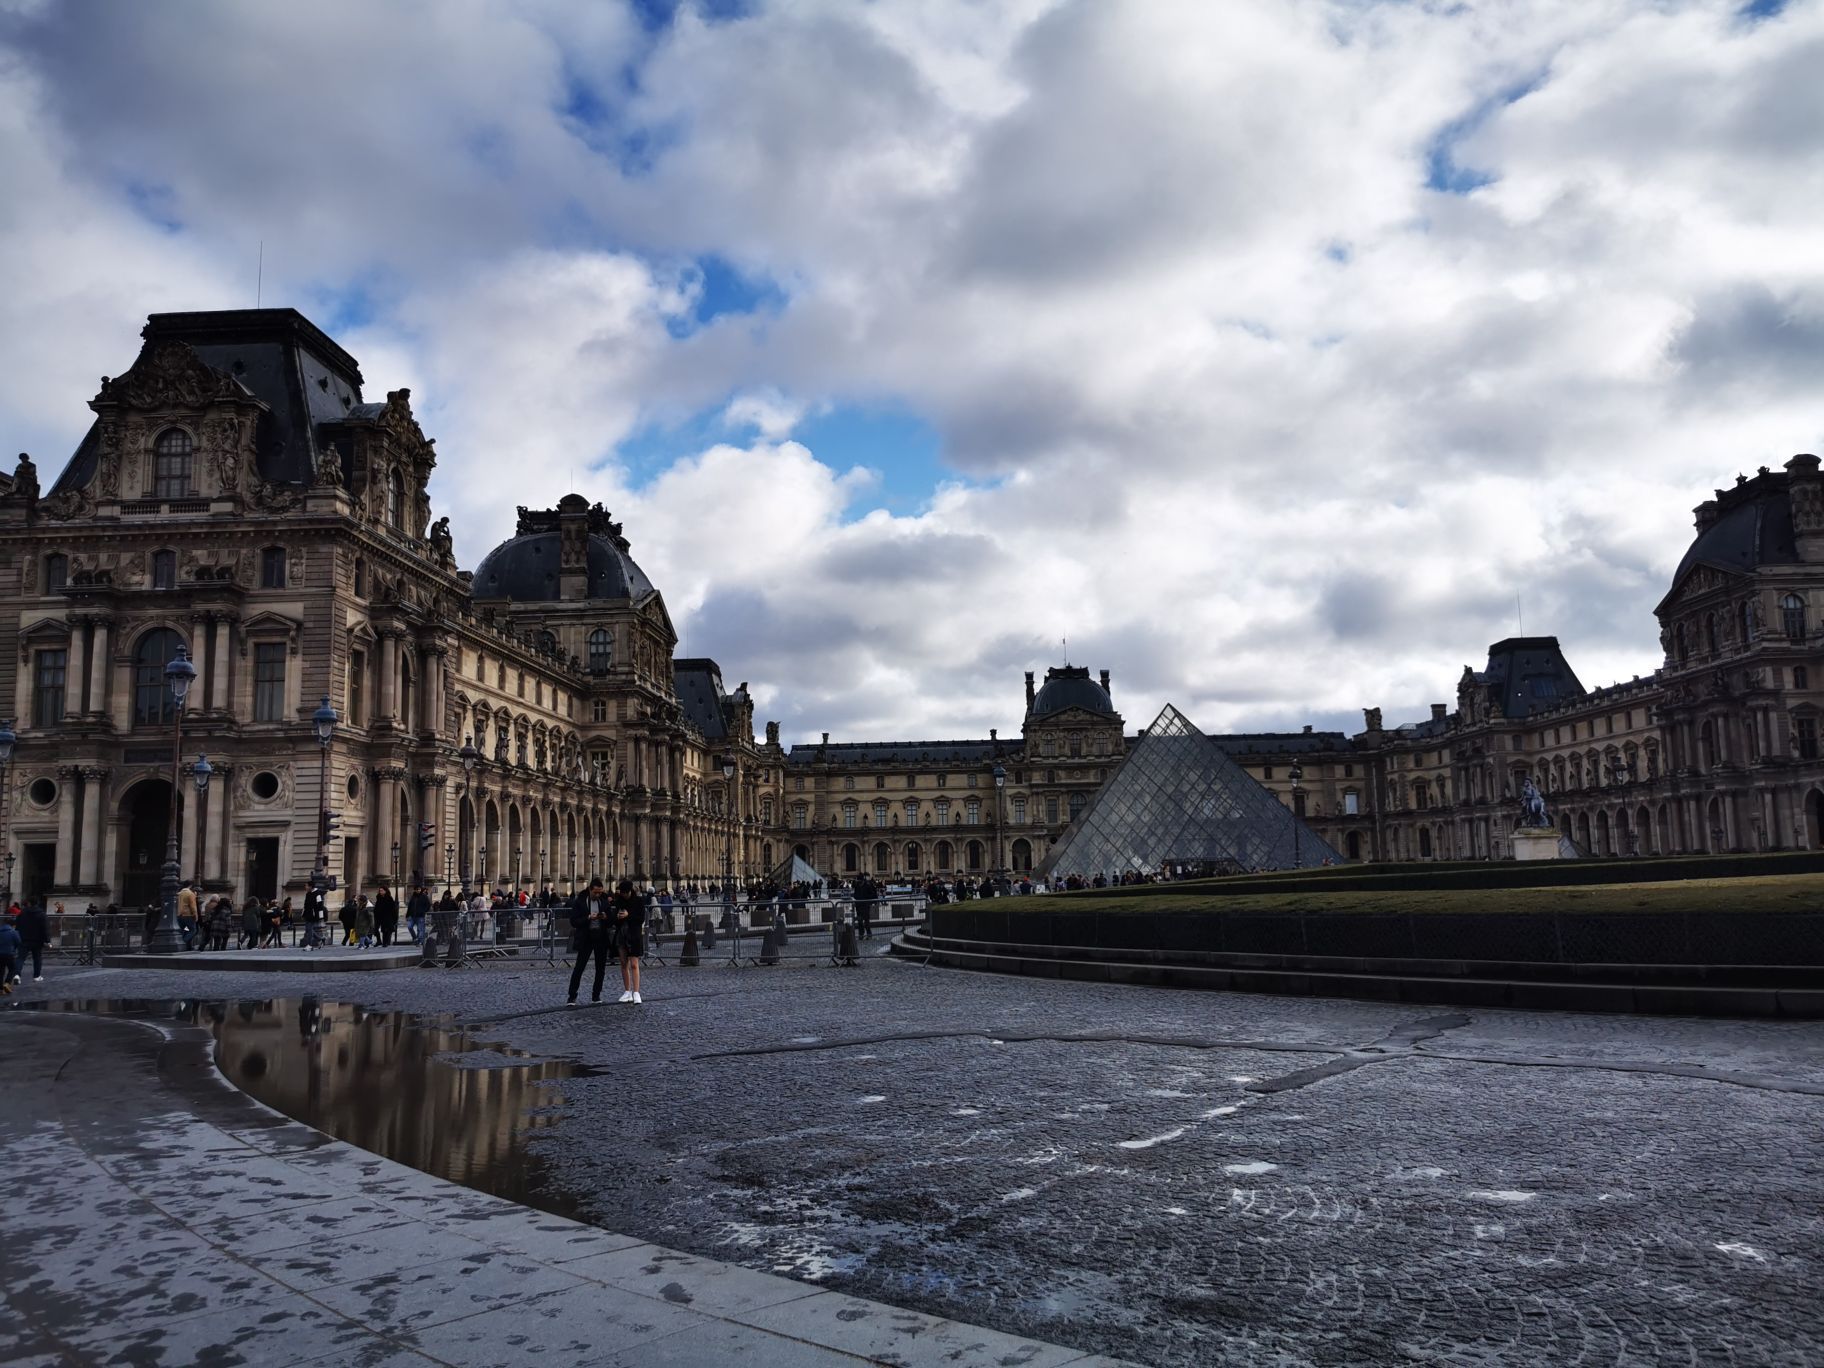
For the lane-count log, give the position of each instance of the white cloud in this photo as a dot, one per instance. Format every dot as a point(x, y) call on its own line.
point(1264, 424)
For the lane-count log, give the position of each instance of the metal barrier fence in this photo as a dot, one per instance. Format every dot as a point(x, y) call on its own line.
point(750, 933)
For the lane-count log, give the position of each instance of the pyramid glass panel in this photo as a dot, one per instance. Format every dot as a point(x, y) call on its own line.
point(1178, 800)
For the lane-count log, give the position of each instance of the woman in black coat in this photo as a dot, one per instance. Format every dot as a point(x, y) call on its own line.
point(629, 936)
point(34, 932)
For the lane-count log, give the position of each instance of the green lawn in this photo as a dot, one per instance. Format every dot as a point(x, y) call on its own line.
point(1767, 893)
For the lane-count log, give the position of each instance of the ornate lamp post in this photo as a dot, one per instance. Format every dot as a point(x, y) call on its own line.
point(8, 739)
point(200, 774)
point(470, 758)
point(449, 864)
point(728, 831)
point(1000, 834)
point(1297, 776)
point(180, 674)
point(323, 726)
point(394, 890)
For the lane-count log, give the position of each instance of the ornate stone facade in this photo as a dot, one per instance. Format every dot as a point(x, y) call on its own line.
point(236, 496)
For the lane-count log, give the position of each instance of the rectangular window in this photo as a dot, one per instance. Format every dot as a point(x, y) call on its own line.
point(1801, 677)
point(1805, 731)
point(1266, 771)
point(47, 688)
point(357, 689)
point(972, 779)
point(911, 781)
point(164, 569)
point(1051, 811)
point(521, 681)
point(269, 681)
point(1348, 771)
point(1351, 802)
point(942, 779)
point(599, 711)
point(272, 568)
point(56, 572)
point(880, 781)
point(1019, 809)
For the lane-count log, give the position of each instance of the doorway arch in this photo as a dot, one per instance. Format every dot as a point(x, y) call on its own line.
point(145, 815)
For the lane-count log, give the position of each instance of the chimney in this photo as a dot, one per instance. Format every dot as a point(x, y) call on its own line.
point(1029, 691)
point(1437, 712)
point(1807, 506)
point(826, 738)
point(994, 733)
point(1105, 685)
point(1307, 729)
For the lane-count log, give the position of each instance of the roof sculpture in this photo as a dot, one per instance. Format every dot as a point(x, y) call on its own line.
point(1177, 798)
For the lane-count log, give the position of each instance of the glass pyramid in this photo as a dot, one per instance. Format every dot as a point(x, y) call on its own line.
point(1178, 800)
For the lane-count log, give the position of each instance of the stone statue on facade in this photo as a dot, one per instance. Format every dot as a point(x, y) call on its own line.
point(442, 545)
point(1532, 805)
point(25, 480)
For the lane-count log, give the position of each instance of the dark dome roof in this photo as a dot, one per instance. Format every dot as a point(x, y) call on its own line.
point(1753, 528)
point(1069, 687)
point(525, 569)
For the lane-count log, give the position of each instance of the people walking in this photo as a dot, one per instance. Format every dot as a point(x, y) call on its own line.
point(34, 932)
point(221, 924)
point(866, 891)
point(253, 923)
point(592, 934)
point(277, 914)
point(10, 947)
point(316, 912)
point(386, 917)
point(186, 913)
point(417, 910)
point(347, 917)
point(630, 937)
point(364, 922)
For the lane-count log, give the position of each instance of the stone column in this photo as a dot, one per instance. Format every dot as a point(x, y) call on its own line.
point(68, 777)
point(89, 870)
point(76, 664)
point(389, 675)
point(221, 797)
point(98, 670)
point(220, 697)
point(384, 828)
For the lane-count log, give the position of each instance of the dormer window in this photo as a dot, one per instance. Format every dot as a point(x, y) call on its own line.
point(171, 465)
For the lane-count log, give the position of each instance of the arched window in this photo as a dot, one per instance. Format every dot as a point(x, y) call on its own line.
point(171, 465)
point(601, 651)
point(547, 642)
point(912, 859)
point(395, 500)
point(1022, 856)
point(974, 855)
point(152, 703)
point(942, 855)
point(1792, 617)
point(882, 854)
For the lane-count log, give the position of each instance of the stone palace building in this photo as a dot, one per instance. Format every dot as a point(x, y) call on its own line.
point(238, 497)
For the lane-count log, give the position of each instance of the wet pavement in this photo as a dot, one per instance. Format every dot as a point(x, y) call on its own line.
point(1174, 1177)
point(158, 1217)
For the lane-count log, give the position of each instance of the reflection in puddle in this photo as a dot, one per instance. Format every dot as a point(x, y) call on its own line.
point(436, 1099)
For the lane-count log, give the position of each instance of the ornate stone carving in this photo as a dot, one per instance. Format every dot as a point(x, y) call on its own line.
point(170, 375)
point(329, 469)
point(68, 505)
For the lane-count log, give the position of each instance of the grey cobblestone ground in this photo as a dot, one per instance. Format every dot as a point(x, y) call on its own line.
point(1099, 1166)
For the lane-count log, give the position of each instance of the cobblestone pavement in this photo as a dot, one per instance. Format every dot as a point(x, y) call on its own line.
point(1181, 1177)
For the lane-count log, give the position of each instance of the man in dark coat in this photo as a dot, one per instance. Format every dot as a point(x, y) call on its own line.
point(592, 930)
point(417, 912)
point(386, 916)
point(866, 891)
point(34, 933)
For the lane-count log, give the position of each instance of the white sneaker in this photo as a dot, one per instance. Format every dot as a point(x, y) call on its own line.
point(37, 978)
point(627, 996)
point(575, 1003)
point(636, 997)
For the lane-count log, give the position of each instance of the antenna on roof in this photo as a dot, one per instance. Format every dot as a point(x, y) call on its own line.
point(1067, 650)
point(259, 278)
point(1519, 614)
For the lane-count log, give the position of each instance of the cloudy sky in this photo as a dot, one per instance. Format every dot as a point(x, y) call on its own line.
point(1278, 353)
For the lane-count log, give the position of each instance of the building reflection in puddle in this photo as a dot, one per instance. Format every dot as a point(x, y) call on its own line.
point(424, 1095)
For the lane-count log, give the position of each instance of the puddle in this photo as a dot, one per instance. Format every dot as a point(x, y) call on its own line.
point(436, 1099)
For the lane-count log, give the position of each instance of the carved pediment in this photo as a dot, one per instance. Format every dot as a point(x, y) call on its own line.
point(171, 375)
point(269, 625)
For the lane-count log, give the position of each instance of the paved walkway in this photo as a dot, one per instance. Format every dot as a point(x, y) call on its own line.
point(158, 1216)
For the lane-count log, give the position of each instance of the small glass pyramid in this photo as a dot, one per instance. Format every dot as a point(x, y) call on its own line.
point(1178, 800)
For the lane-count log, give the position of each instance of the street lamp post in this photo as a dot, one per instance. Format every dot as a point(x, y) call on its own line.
point(323, 726)
point(728, 813)
point(470, 757)
point(1297, 776)
point(394, 889)
point(8, 739)
point(449, 864)
point(180, 674)
point(1000, 833)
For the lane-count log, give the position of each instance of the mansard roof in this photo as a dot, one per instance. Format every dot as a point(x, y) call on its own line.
point(278, 357)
